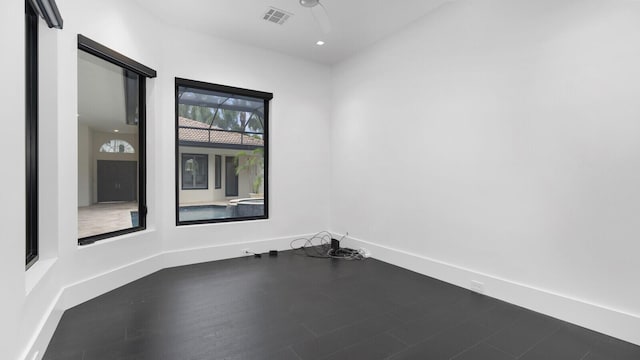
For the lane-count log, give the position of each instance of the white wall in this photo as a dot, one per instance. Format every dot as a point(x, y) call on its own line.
point(501, 137)
point(12, 275)
point(68, 274)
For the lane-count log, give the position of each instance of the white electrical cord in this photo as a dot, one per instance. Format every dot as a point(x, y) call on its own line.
point(322, 248)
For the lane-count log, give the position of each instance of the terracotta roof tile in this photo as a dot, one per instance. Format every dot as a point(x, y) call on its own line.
point(200, 132)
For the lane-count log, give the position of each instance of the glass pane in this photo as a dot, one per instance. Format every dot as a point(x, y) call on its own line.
point(117, 145)
point(224, 134)
point(194, 171)
point(108, 154)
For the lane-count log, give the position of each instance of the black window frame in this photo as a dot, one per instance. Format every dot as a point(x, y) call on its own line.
point(31, 132)
point(185, 157)
point(94, 48)
point(266, 97)
point(217, 172)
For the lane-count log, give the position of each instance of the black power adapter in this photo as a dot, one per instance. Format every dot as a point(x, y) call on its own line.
point(272, 253)
point(335, 245)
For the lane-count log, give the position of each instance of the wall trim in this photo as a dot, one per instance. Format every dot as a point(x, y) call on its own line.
point(44, 332)
point(76, 293)
point(600, 318)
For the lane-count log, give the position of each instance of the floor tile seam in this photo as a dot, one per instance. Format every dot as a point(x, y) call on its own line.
point(345, 347)
point(269, 349)
point(587, 351)
point(465, 350)
point(585, 355)
point(397, 317)
point(446, 328)
point(390, 356)
point(425, 299)
point(327, 297)
point(253, 311)
point(289, 343)
point(397, 338)
point(602, 338)
point(519, 316)
point(510, 323)
point(498, 349)
point(540, 341)
point(471, 318)
point(210, 336)
point(361, 340)
point(422, 317)
point(313, 333)
point(435, 309)
point(290, 347)
point(107, 343)
point(341, 328)
point(482, 340)
point(409, 346)
point(482, 312)
point(359, 321)
point(414, 302)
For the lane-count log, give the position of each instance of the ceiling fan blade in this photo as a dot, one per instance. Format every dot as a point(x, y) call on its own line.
point(322, 17)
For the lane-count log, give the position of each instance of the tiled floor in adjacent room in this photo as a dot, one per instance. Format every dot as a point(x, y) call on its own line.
point(294, 307)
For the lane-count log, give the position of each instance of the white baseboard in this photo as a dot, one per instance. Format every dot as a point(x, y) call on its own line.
point(597, 317)
point(182, 257)
point(86, 289)
point(46, 328)
point(81, 291)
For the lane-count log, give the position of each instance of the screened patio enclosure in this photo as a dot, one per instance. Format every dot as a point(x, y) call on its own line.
point(221, 152)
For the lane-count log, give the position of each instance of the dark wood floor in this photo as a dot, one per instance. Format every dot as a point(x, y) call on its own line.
point(294, 307)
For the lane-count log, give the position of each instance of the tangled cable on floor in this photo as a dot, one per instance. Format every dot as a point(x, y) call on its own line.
point(319, 246)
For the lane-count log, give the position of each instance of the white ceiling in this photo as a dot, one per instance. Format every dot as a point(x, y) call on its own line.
point(101, 104)
point(355, 23)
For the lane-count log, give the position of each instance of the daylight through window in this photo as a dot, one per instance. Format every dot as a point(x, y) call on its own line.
point(111, 138)
point(222, 152)
point(117, 146)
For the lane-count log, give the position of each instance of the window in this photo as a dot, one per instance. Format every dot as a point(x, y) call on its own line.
point(117, 146)
point(111, 170)
point(31, 112)
point(218, 175)
point(216, 122)
point(195, 174)
point(48, 10)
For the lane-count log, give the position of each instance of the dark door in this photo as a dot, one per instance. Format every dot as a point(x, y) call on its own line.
point(231, 178)
point(117, 180)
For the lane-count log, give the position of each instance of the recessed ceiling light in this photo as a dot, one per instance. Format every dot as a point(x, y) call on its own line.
point(320, 43)
point(116, 130)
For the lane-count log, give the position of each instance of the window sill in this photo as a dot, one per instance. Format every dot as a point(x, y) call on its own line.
point(117, 238)
point(37, 272)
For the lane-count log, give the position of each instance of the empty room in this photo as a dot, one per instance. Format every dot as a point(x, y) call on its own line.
point(320, 179)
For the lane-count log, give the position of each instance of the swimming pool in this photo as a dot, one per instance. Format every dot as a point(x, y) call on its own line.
point(247, 207)
point(134, 219)
point(204, 212)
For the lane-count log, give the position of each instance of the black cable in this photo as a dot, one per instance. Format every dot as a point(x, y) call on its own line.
point(252, 253)
point(322, 248)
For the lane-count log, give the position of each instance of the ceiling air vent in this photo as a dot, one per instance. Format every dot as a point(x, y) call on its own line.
point(277, 16)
